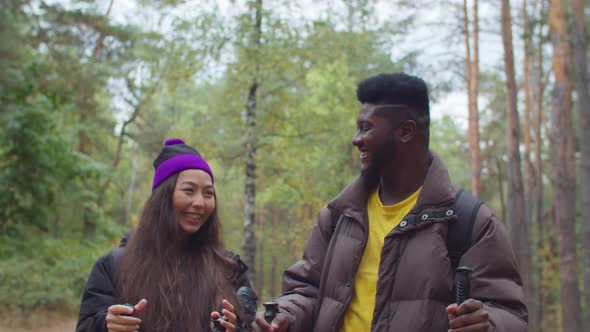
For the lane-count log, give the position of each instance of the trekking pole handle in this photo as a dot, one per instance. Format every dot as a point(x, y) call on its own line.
point(271, 309)
point(130, 306)
point(217, 327)
point(462, 284)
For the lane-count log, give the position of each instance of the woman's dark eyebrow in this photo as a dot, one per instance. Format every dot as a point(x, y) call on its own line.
point(189, 182)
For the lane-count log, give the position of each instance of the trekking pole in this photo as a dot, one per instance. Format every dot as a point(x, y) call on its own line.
point(462, 284)
point(271, 309)
point(130, 306)
point(217, 327)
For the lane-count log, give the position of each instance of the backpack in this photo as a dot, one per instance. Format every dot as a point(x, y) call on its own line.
point(459, 235)
point(460, 232)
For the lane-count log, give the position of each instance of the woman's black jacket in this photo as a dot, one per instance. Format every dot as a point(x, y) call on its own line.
point(99, 293)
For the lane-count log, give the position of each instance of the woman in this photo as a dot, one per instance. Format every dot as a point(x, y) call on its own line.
point(173, 268)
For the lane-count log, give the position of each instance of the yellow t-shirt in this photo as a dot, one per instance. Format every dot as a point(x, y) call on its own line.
point(382, 219)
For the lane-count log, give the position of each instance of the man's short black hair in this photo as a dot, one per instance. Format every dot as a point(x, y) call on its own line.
point(395, 88)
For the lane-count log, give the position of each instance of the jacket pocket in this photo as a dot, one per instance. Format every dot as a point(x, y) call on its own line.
point(328, 315)
point(420, 315)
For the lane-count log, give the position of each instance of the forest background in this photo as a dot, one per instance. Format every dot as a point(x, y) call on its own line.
point(265, 89)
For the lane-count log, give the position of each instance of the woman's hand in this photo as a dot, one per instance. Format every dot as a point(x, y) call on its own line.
point(231, 320)
point(119, 317)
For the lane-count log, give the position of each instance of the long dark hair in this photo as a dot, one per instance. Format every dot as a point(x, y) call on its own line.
point(183, 281)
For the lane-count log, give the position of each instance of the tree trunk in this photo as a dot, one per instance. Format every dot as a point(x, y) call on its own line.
point(530, 172)
point(550, 293)
point(274, 278)
point(529, 184)
point(131, 189)
point(563, 169)
point(249, 241)
point(121, 137)
point(499, 164)
point(87, 109)
point(472, 80)
point(98, 45)
point(515, 193)
point(539, 192)
point(583, 107)
point(260, 269)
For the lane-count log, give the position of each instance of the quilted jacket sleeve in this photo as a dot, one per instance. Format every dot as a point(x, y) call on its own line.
point(98, 296)
point(496, 279)
point(302, 280)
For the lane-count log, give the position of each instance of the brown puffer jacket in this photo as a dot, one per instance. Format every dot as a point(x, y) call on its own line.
point(415, 276)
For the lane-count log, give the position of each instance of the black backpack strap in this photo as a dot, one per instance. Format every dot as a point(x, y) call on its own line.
point(236, 258)
point(460, 232)
point(335, 215)
point(125, 238)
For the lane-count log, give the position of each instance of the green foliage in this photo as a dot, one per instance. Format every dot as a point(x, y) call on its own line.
point(13, 29)
point(47, 186)
point(449, 142)
point(42, 272)
point(65, 94)
point(35, 163)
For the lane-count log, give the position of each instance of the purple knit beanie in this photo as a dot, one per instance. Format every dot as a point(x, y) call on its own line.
point(175, 157)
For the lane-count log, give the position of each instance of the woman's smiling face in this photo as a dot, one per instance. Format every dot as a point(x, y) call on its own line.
point(193, 200)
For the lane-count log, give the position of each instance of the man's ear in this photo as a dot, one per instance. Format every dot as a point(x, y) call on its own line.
point(409, 129)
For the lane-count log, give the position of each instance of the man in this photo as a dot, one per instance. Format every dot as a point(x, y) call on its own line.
point(385, 266)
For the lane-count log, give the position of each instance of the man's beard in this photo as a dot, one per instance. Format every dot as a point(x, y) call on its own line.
point(373, 171)
point(379, 159)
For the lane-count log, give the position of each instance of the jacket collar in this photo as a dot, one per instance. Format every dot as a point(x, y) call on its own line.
point(437, 191)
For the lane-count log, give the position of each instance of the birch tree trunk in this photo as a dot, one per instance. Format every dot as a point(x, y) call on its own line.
point(274, 261)
point(249, 240)
point(563, 169)
point(259, 285)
